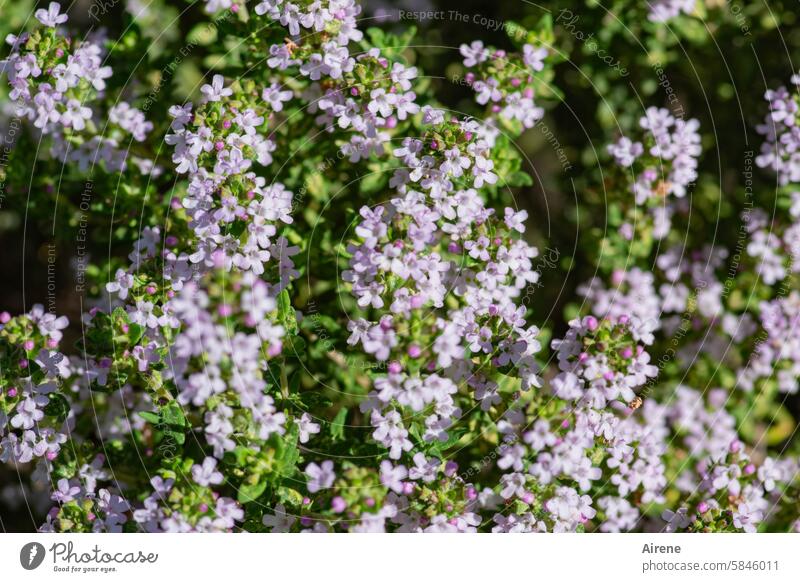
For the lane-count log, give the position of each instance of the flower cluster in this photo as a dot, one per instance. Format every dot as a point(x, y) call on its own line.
point(453, 251)
point(774, 247)
point(780, 150)
point(320, 33)
point(369, 100)
point(504, 82)
point(778, 354)
point(221, 370)
point(725, 490)
point(665, 162)
point(602, 361)
point(34, 409)
point(217, 146)
point(53, 82)
point(450, 153)
point(83, 506)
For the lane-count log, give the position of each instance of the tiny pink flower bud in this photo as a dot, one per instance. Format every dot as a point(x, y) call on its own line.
point(203, 507)
point(395, 368)
point(5, 317)
point(369, 502)
point(515, 82)
point(28, 345)
point(528, 93)
point(702, 507)
point(749, 469)
point(338, 504)
point(12, 392)
point(414, 351)
point(408, 488)
point(23, 363)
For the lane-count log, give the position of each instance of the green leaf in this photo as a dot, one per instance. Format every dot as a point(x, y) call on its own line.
point(249, 493)
point(290, 496)
point(290, 453)
point(151, 417)
point(135, 333)
point(337, 425)
point(286, 313)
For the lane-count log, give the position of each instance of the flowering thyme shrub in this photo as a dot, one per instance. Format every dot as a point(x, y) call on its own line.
point(308, 294)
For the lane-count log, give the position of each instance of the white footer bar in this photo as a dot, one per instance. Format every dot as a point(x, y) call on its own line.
point(371, 557)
